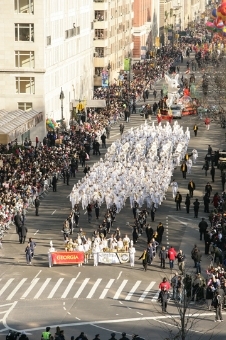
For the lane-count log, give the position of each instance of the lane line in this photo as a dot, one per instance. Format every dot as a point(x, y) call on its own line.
point(147, 290)
point(16, 289)
point(8, 283)
point(67, 290)
point(57, 285)
point(96, 284)
point(29, 289)
point(132, 291)
point(42, 288)
point(37, 275)
point(117, 294)
point(106, 289)
point(81, 288)
point(53, 212)
point(119, 275)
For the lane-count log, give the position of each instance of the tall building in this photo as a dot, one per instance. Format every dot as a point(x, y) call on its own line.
point(112, 38)
point(141, 28)
point(45, 45)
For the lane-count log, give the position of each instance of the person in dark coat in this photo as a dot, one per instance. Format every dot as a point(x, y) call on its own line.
point(206, 167)
point(18, 221)
point(153, 210)
point(37, 204)
point(178, 200)
point(196, 208)
point(191, 188)
point(206, 201)
point(23, 233)
point(97, 209)
point(164, 296)
point(160, 231)
point(135, 235)
point(203, 225)
point(187, 203)
point(67, 176)
point(103, 139)
point(54, 183)
point(163, 257)
point(212, 173)
point(149, 233)
point(208, 189)
point(184, 169)
point(223, 179)
point(144, 258)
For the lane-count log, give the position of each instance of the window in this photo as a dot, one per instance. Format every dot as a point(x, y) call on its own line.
point(24, 59)
point(24, 6)
point(48, 40)
point(72, 32)
point(25, 106)
point(25, 85)
point(24, 32)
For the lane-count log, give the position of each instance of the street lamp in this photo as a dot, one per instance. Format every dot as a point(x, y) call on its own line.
point(62, 104)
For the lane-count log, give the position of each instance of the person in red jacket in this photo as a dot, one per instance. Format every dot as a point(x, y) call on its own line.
point(164, 284)
point(171, 256)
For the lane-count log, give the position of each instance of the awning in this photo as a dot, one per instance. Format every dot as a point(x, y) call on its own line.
point(91, 103)
point(15, 123)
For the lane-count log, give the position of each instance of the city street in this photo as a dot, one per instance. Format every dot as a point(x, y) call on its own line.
point(99, 300)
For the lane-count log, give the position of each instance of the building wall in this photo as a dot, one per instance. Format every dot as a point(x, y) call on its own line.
point(116, 41)
point(141, 25)
point(66, 62)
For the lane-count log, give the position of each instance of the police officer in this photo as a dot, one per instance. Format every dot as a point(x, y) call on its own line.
point(37, 204)
point(46, 334)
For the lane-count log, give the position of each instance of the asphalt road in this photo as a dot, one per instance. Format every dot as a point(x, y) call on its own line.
point(106, 298)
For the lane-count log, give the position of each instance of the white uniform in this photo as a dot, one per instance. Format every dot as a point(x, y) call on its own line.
point(189, 165)
point(132, 252)
point(194, 155)
point(174, 186)
point(96, 250)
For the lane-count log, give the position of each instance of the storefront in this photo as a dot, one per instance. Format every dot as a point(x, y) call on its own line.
point(16, 125)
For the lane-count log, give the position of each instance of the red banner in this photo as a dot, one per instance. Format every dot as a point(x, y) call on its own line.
point(65, 257)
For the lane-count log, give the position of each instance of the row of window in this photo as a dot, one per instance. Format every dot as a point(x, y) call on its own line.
point(25, 85)
point(24, 6)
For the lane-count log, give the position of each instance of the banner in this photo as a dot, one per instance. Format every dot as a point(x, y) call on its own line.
point(65, 257)
point(126, 64)
point(123, 257)
point(109, 258)
point(104, 78)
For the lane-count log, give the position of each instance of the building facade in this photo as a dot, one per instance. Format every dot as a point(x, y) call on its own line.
point(46, 45)
point(141, 28)
point(176, 15)
point(112, 38)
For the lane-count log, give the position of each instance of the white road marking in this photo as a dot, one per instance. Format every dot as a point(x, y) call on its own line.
point(81, 288)
point(36, 232)
point(96, 284)
point(57, 285)
point(29, 289)
point(119, 275)
point(144, 318)
point(36, 275)
point(16, 289)
point(53, 212)
point(120, 304)
point(155, 297)
point(64, 308)
point(117, 294)
point(132, 291)
point(67, 290)
point(106, 289)
point(78, 319)
point(140, 313)
point(147, 290)
point(42, 288)
point(69, 313)
point(6, 286)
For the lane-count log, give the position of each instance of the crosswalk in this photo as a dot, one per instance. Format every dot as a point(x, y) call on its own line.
point(76, 288)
